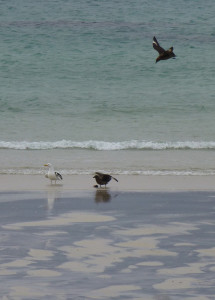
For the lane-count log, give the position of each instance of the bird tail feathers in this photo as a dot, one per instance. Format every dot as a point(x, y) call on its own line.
point(114, 178)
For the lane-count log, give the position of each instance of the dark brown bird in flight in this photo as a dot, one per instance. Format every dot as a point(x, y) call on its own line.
point(163, 54)
point(103, 179)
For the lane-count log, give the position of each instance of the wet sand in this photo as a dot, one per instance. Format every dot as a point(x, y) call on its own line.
point(126, 183)
point(64, 243)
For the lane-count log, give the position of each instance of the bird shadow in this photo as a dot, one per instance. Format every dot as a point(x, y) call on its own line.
point(102, 195)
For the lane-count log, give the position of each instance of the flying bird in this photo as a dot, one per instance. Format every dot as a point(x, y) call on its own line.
point(163, 54)
point(103, 179)
point(52, 175)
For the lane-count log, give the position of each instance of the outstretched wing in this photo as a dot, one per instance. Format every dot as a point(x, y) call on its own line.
point(156, 46)
point(59, 176)
point(170, 49)
point(99, 174)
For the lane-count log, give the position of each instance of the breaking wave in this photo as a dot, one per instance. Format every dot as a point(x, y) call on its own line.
point(39, 171)
point(107, 146)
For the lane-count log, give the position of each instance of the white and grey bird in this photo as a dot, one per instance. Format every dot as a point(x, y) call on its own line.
point(52, 174)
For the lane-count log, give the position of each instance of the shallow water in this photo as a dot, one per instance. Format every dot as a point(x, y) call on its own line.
point(83, 75)
point(78, 161)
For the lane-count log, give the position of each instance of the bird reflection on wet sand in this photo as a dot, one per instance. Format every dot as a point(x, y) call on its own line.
point(52, 195)
point(102, 195)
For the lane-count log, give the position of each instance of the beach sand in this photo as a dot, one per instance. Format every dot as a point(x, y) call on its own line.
point(142, 238)
point(126, 183)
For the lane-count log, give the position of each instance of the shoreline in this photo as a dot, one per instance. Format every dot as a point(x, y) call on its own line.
point(142, 183)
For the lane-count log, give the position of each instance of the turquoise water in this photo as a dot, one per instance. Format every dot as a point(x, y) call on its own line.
point(80, 87)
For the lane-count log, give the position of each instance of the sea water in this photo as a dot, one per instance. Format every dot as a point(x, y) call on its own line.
point(80, 87)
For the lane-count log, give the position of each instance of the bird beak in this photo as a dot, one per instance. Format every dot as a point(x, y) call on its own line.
point(45, 165)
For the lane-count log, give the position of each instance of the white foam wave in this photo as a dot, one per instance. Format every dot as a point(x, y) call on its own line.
point(107, 146)
point(35, 171)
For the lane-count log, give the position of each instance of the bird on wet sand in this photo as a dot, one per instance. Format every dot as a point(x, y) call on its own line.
point(163, 54)
point(52, 175)
point(103, 179)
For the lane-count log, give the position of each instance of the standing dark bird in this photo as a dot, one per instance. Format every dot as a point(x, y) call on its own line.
point(103, 179)
point(163, 54)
